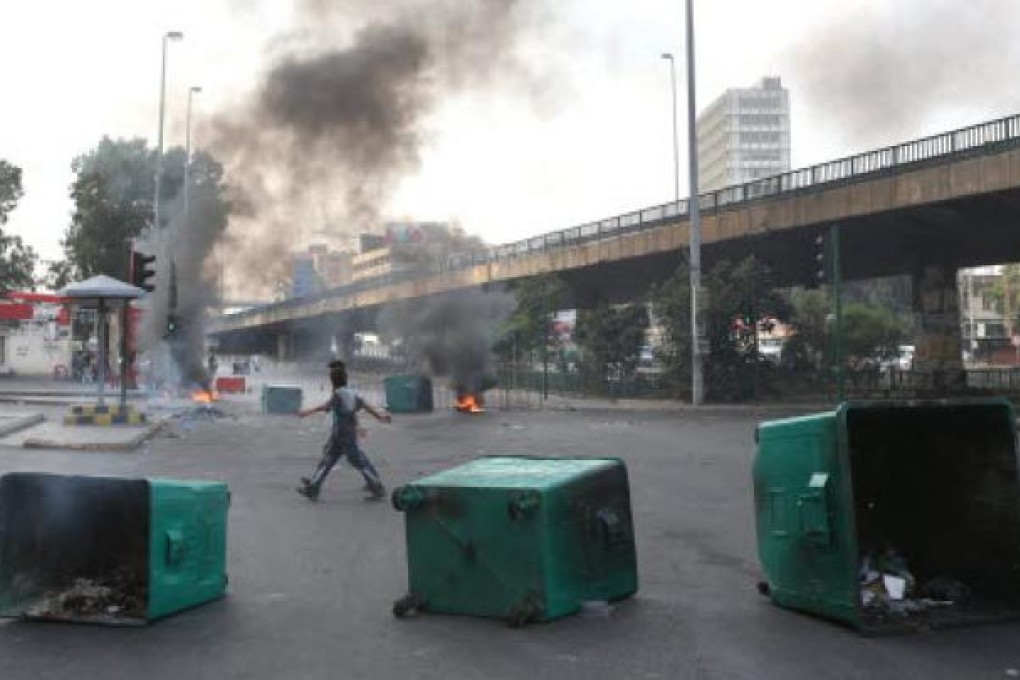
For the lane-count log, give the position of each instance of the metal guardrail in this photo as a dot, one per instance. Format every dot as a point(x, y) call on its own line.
point(892, 158)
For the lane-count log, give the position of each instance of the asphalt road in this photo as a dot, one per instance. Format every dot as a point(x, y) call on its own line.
point(312, 584)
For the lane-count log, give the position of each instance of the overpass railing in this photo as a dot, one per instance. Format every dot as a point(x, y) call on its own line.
point(888, 159)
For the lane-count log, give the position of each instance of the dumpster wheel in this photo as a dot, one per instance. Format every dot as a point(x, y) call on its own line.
point(526, 610)
point(408, 604)
point(764, 588)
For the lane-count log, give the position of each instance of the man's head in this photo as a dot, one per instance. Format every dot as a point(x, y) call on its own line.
point(338, 374)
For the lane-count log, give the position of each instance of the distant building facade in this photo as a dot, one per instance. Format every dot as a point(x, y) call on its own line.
point(744, 135)
point(303, 279)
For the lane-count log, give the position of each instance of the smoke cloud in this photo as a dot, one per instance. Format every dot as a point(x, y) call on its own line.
point(185, 285)
point(322, 142)
point(885, 72)
point(451, 336)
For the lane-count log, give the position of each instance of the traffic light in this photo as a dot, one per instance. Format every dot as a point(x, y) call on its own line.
point(142, 270)
point(173, 326)
point(828, 270)
point(821, 260)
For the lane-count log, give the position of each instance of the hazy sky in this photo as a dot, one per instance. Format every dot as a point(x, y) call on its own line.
point(596, 140)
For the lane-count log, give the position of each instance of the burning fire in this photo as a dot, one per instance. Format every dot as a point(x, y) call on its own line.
point(470, 403)
point(204, 396)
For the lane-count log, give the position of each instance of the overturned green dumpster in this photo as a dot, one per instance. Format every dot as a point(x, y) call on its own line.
point(517, 538)
point(892, 516)
point(281, 399)
point(410, 393)
point(106, 550)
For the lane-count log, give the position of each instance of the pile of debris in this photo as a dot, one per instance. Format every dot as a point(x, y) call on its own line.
point(889, 589)
point(89, 599)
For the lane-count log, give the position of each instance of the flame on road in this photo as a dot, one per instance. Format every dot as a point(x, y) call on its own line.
point(204, 396)
point(470, 403)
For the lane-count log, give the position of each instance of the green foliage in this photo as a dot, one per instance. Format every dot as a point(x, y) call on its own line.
point(671, 305)
point(113, 193)
point(742, 302)
point(611, 339)
point(870, 331)
point(530, 326)
point(806, 349)
point(17, 260)
point(10, 189)
point(58, 275)
point(740, 298)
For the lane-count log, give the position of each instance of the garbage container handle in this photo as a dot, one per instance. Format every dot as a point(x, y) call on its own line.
point(813, 511)
point(175, 547)
point(613, 529)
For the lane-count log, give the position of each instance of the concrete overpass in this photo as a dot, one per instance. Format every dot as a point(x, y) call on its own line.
point(947, 201)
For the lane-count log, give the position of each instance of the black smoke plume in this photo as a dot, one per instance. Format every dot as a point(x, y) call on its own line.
point(450, 336)
point(186, 280)
point(340, 116)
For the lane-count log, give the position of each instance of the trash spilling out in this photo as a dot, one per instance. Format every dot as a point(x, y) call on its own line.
point(889, 589)
point(107, 550)
point(118, 600)
point(892, 516)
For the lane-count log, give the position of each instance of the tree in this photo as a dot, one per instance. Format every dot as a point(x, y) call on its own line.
point(742, 302)
point(17, 260)
point(58, 274)
point(113, 194)
point(529, 328)
point(870, 331)
point(611, 339)
point(811, 310)
point(671, 306)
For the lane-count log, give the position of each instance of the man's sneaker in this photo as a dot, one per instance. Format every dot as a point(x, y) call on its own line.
point(376, 492)
point(309, 492)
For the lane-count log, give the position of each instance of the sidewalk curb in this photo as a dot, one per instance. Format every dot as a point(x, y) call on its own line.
point(21, 424)
point(121, 447)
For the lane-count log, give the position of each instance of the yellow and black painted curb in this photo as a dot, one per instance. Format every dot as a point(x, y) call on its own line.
point(105, 414)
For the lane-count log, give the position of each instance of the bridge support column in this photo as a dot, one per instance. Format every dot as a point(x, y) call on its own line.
point(939, 342)
point(281, 346)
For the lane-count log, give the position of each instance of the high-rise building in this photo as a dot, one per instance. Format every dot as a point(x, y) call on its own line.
point(303, 281)
point(744, 135)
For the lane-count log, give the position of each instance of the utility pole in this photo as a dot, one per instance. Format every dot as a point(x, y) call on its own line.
point(697, 379)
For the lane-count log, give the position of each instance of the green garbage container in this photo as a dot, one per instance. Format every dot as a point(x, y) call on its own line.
point(518, 538)
point(408, 393)
point(111, 551)
point(892, 516)
point(281, 399)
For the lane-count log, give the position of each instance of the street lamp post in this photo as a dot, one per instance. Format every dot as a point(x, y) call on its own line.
point(676, 138)
point(697, 379)
point(193, 90)
point(167, 37)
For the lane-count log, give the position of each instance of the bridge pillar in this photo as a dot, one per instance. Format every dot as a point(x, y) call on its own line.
point(939, 342)
point(281, 346)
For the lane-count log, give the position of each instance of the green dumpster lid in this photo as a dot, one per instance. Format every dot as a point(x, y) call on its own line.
point(517, 472)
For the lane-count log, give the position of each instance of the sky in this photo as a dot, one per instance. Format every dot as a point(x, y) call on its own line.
point(594, 140)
